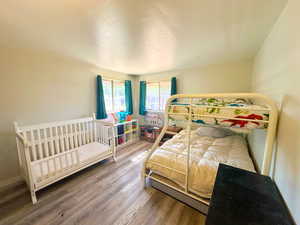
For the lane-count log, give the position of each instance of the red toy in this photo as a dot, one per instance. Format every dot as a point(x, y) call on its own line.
point(242, 123)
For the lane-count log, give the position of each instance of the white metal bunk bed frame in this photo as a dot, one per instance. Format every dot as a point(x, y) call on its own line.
point(269, 142)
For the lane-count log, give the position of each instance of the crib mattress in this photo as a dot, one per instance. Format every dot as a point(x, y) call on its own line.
point(86, 153)
point(206, 154)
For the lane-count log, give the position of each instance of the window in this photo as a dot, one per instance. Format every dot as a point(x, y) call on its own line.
point(114, 95)
point(157, 95)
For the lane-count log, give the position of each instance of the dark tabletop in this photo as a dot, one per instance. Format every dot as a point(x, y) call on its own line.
point(245, 198)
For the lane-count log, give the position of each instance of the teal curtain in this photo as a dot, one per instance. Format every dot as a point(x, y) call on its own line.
point(173, 87)
point(101, 111)
point(128, 97)
point(143, 88)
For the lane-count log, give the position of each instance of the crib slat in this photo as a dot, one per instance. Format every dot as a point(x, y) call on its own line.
point(71, 136)
point(107, 130)
point(83, 133)
point(23, 159)
point(57, 140)
point(61, 138)
point(67, 138)
point(33, 149)
point(87, 134)
point(99, 130)
point(75, 135)
point(46, 142)
point(39, 144)
point(90, 131)
point(95, 130)
point(103, 134)
point(79, 134)
point(51, 141)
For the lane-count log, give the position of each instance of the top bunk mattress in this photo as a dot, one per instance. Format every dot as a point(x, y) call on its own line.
point(235, 113)
point(206, 154)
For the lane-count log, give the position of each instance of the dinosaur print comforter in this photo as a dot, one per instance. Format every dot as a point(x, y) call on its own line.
point(220, 112)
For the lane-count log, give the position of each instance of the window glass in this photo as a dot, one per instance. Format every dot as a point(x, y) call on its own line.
point(165, 90)
point(114, 95)
point(152, 97)
point(157, 94)
point(107, 89)
point(119, 96)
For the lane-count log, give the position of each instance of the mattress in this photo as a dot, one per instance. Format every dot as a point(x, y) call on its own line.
point(86, 153)
point(223, 113)
point(206, 154)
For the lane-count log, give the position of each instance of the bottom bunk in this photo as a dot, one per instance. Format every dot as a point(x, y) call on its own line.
point(167, 186)
point(209, 146)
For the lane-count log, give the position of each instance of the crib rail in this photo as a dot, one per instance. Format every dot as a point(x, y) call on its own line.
point(55, 164)
point(50, 151)
point(21, 146)
point(53, 138)
point(105, 132)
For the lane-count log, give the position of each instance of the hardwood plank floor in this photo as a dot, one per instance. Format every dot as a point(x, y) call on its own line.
point(105, 194)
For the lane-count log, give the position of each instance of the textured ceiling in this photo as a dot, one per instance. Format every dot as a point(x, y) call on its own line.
point(139, 36)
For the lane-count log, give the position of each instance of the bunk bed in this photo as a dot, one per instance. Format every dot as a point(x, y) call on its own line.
point(215, 129)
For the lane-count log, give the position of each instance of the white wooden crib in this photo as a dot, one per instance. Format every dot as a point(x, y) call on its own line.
point(52, 151)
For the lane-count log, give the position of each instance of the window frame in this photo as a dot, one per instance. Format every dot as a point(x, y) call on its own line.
point(112, 82)
point(160, 109)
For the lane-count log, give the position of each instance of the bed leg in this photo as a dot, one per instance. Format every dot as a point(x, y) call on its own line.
point(33, 197)
point(145, 181)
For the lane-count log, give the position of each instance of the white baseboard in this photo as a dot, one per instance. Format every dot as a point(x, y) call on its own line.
point(10, 182)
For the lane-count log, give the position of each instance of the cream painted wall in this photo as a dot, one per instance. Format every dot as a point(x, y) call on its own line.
point(40, 87)
point(229, 77)
point(277, 74)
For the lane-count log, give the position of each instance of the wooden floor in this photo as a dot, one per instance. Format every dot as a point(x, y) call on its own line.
point(108, 193)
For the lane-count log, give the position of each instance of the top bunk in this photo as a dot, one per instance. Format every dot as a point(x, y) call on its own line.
point(233, 110)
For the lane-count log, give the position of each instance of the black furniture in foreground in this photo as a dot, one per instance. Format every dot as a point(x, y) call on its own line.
point(244, 198)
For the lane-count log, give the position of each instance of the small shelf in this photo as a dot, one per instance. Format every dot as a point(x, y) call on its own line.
point(126, 132)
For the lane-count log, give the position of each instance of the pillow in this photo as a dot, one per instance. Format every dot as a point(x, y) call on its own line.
point(214, 132)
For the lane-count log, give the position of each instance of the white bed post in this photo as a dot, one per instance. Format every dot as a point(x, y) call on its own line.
point(157, 141)
point(187, 170)
point(18, 147)
point(114, 143)
point(30, 177)
point(27, 161)
point(269, 142)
